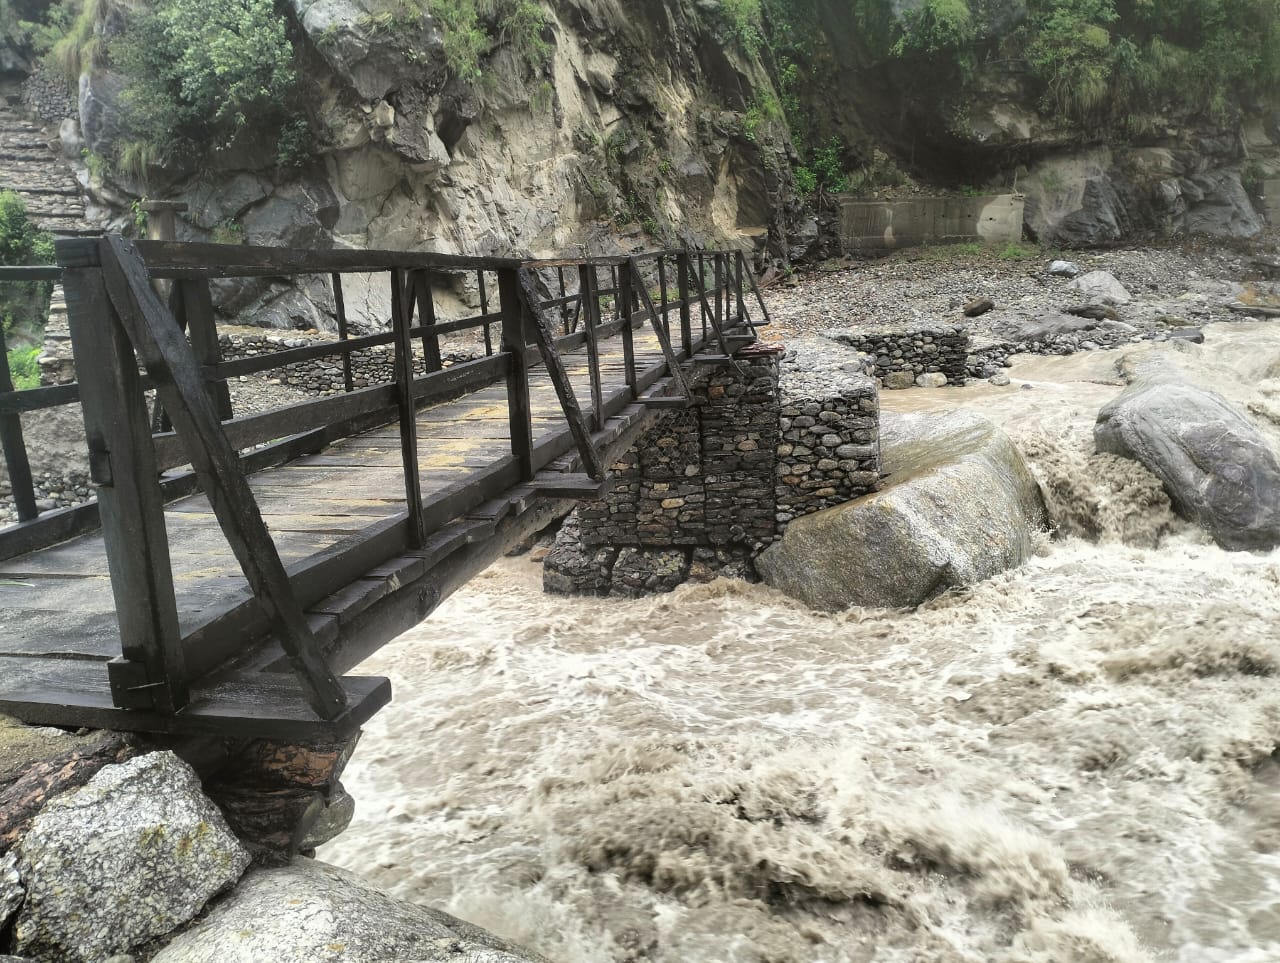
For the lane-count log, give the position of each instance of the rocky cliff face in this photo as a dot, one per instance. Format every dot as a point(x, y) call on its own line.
point(633, 125)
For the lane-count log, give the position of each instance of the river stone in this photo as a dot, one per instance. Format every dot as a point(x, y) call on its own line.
point(900, 379)
point(1101, 286)
point(959, 506)
point(128, 857)
point(10, 888)
point(1063, 269)
point(1217, 468)
point(1054, 324)
point(310, 912)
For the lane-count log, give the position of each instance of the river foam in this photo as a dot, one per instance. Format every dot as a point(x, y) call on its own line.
point(1074, 761)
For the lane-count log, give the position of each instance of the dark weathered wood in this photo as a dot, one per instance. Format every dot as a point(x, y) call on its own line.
point(168, 259)
point(37, 399)
point(172, 366)
point(626, 304)
point(197, 309)
point(278, 359)
point(672, 362)
point(755, 289)
point(513, 342)
point(560, 379)
point(484, 312)
point(686, 319)
point(340, 308)
point(408, 419)
point(421, 281)
point(15, 447)
point(253, 705)
point(30, 272)
point(587, 284)
point(130, 504)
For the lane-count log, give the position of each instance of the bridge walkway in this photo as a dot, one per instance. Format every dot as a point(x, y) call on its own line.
point(368, 544)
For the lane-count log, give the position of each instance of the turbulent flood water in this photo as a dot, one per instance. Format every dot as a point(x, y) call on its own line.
point(1072, 762)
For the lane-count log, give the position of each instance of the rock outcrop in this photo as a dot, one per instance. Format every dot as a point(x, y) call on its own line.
point(959, 506)
point(311, 911)
point(1218, 469)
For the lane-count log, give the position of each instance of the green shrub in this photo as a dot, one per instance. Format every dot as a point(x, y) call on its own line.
point(201, 72)
point(24, 305)
point(23, 368)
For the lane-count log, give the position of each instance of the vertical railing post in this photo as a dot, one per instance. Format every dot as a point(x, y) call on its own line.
point(421, 281)
point(152, 673)
point(484, 312)
point(340, 305)
point(408, 411)
point(740, 308)
point(686, 320)
point(196, 302)
point(519, 411)
point(718, 265)
point(15, 447)
point(626, 299)
point(589, 285)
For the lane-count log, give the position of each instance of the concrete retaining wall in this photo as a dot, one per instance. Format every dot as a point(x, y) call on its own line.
point(870, 225)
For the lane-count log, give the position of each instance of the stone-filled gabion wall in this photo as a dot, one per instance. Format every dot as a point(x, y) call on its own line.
point(829, 451)
point(708, 487)
point(927, 357)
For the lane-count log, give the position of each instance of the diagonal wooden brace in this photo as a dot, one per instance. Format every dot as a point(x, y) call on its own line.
point(172, 365)
point(546, 343)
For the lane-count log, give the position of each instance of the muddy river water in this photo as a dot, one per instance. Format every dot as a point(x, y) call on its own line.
point(1074, 761)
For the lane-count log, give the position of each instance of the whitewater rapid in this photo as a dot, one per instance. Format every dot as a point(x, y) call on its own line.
point(1075, 761)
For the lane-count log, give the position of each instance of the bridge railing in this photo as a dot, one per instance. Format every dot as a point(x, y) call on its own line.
point(129, 341)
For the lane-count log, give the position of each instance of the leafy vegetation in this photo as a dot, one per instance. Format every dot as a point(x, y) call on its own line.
point(23, 368)
point(202, 72)
point(24, 305)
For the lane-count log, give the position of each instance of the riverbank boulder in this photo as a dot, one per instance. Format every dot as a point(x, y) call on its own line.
point(128, 857)
point(959, 506)
point(1218, 469)
point(310, 911)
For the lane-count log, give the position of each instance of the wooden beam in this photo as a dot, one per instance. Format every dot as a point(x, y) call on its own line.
point(400, 305)
point(519, 413)
point(130, 504)
point(673, 363)
point(560, 378)
point(172, 366)
point(15, 447)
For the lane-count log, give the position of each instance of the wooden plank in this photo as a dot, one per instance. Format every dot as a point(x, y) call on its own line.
point(261, 705)
point(407, 412)
point(513, 344)
point(15, 447)
point(288, 356)
point(169, 360)
point(421, 282)
point(197, 308)
point(556, 371)
point(551, 484)
point(588, 286)
point(673, 364)
point(340, 308)
point(37, 399)
point(168, 259)
point(130, 504)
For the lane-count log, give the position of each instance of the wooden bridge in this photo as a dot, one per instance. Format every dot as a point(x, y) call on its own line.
point(233, 566)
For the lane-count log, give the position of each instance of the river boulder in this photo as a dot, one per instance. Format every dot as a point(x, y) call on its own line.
point(1218, 469)
point(959, 506)
point(311, 911)
point(129, 856)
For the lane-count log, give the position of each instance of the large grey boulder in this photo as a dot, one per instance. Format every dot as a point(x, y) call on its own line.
point(1218, 469)
point(1101, 286)
point(311, 912)
point(130, 856)
point(959, 506)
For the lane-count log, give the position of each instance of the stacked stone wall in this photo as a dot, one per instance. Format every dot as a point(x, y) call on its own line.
point(710, 486)
point(829, 450)
point(926, 357)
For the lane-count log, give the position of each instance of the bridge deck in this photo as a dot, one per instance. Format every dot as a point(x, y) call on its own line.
point(59, 611)
point(332, 525)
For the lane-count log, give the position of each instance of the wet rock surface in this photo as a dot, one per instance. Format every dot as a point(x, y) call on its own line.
point(134, 853)
point(311, 911)
point(958, 506)
point(1217, 468)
